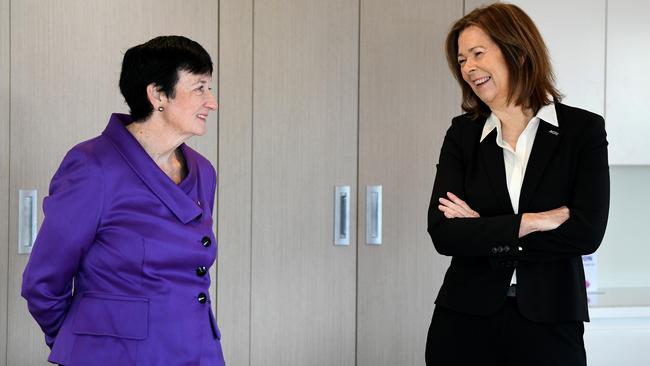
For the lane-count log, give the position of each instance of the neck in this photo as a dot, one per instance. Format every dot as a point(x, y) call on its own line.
point(158, 141)
point(514, 120)
point(512, 116)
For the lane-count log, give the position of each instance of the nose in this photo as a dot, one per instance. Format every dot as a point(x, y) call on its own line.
point(468, 66)
point(211, 103)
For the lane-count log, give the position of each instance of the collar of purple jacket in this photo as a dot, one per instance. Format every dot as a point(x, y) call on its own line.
point(172, 195)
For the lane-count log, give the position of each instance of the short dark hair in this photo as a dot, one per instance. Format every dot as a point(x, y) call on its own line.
point(158, 61)
point(529, 66)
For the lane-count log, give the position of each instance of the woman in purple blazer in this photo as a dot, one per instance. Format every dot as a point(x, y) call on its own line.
point(119, 270)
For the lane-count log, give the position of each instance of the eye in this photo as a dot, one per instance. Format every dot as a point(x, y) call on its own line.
point(478, 53)
point(461, 61)
point(200, 89)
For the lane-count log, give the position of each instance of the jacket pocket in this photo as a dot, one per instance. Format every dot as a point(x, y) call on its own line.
point(103, 314)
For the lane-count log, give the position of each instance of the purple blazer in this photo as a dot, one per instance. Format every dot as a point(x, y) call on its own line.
point(138, 248)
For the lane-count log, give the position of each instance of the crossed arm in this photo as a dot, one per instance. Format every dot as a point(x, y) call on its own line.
point(575, 229)
point(454, 207)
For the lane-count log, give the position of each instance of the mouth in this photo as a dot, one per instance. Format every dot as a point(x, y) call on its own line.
point(481, 81)
point(202, 116)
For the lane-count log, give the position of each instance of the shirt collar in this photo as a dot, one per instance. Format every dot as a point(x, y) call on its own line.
point(547, 114)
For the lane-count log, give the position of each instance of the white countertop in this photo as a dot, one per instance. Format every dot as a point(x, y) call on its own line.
point(621, 302)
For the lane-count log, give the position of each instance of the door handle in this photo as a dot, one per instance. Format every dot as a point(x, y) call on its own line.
point(27, 210)
point(373, 215)
point(342, 215)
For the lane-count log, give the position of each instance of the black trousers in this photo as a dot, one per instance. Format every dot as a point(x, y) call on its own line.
point(505, 338)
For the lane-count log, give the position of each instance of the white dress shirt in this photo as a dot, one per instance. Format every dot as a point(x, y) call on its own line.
point(516, 158)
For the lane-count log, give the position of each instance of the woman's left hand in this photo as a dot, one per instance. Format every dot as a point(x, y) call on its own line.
point(454, 207)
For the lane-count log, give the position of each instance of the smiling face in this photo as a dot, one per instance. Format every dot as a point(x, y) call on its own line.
point(483, 67)
point(187, 112)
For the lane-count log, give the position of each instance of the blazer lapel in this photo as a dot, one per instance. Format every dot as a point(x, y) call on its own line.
point(183, 207)
point(496, 170)
point(546, 140)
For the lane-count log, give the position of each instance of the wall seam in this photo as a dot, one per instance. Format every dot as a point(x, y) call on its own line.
point(6, 329)
point(358, 241)
point(605, 62)
point(216, 199)
point(252, 188)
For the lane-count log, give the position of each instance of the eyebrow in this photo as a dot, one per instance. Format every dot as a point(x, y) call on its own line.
point(470, 50)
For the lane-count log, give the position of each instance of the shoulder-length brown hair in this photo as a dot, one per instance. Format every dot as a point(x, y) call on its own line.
point(532, 83)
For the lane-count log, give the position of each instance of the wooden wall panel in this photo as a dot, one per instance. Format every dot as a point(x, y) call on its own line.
point(66, 59)
point(407, 99)
point(4, 174)
point(235, 164)
point(473, 4)
point(304, 144)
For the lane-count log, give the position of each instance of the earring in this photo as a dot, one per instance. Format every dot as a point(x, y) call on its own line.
point(160, 109)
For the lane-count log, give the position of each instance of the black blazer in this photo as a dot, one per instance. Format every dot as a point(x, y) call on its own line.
point(567, 166)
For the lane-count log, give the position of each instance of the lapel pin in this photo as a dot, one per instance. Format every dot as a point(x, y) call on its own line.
point(552, 132)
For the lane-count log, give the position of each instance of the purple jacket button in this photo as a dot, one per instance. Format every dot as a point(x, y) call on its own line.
point(202, 298)
point(201, 271)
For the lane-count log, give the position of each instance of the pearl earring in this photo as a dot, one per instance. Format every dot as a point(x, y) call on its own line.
point(160, 109)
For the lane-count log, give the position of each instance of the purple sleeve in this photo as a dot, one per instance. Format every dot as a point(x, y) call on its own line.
point(72, 213)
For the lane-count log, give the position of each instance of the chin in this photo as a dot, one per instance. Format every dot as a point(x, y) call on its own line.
point(200, 129)
point(487, 99)
point(199, 133)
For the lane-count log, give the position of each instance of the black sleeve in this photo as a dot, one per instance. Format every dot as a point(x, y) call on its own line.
point(583, 232)
point(484, 236)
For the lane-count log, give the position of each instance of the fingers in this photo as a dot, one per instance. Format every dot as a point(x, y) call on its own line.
point(450, 212)
point(458, 201)
point(455, 207)
point(465, 209)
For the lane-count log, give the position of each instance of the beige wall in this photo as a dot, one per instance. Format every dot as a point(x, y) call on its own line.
point(407, 99)
point(235, 177)
point(4, 172)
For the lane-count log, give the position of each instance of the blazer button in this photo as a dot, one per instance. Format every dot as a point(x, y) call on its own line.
point(205, 241)
point(506, 249)
point(500, 249)
point(202, 298)
point(201, 271)
point(495, 250)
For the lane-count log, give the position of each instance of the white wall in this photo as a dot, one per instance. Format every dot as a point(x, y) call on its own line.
point(575, 38)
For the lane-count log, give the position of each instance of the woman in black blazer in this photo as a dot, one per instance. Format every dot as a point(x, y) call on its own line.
point(521, 192)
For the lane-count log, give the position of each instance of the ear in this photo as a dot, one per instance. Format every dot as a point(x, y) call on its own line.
point(522, 59)
point(155, 96)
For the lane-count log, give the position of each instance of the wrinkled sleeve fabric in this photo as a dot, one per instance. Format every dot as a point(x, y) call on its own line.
point(72, 214)
point(583, 232)
point(464, 236)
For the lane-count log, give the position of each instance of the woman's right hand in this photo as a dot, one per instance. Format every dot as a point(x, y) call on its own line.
point(543, 221)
